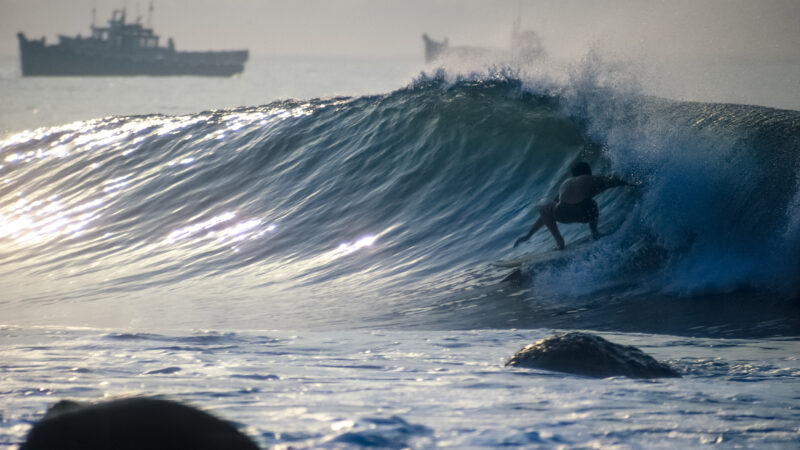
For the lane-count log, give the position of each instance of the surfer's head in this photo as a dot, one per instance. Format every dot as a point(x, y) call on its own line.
point(580, 168)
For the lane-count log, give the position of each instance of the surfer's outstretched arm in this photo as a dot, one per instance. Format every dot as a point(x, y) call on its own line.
point(536, 225)
point(601, 183)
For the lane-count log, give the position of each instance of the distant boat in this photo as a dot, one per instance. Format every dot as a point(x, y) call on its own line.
point(442, 50)
point(123, 49)
point(526, 46)
point(434, 50)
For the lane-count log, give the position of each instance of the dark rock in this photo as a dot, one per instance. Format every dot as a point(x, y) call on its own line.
point(133, 423)
point(592, 356)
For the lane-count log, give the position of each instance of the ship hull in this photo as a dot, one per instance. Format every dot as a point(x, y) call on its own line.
point(38, 59)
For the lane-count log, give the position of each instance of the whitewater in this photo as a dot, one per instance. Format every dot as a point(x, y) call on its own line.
point(324, 271)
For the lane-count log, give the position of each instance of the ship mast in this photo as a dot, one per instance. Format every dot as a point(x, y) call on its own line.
point(150, 15)
point(515, 31)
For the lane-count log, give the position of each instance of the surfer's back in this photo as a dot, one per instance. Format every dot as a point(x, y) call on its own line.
point(578, 189)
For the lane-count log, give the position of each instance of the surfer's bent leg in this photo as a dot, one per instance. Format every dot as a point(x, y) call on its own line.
point(582, 212)
point(536, 225)
point(547, 215)
point(547, 218)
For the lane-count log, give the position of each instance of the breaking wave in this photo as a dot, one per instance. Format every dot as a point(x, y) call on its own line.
point(393, 210)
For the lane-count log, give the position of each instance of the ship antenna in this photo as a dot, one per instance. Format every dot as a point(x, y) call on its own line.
point(94, 12)
point(150, 15)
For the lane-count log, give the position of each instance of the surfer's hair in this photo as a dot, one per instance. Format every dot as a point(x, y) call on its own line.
point(580, 168)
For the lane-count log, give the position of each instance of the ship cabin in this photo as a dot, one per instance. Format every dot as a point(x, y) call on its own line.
point(127, 36)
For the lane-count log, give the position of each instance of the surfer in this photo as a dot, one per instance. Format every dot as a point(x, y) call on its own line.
point(574, 203)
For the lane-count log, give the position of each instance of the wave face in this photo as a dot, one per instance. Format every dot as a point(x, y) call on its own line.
point(392, 210)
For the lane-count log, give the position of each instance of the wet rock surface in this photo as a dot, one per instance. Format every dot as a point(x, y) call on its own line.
point(590, 355)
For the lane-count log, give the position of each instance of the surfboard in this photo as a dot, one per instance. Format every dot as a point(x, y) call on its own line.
point(520, 265)
point(534, 258)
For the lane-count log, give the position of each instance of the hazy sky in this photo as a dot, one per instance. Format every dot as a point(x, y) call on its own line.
point(683, 28)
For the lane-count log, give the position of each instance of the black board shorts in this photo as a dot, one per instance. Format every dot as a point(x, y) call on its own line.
point(582, 212)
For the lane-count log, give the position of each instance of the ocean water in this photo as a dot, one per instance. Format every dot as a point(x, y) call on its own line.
point(321, 261)
point(33, 102)
point(412, 389)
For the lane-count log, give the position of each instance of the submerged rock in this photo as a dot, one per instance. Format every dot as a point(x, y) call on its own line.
point(133, 423)
point(590, 355)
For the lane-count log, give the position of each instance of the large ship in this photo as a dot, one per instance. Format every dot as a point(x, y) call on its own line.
point(122, 49)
